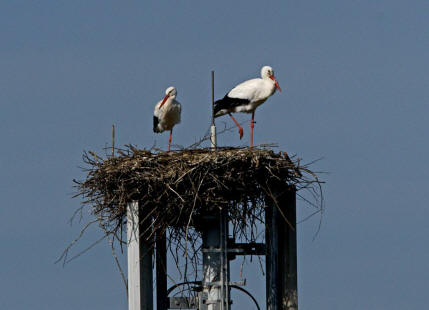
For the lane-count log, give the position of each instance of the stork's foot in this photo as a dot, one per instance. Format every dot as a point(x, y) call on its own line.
point(240, 130)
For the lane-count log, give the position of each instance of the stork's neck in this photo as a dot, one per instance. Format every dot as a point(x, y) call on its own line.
point(270, 85)
point(170, 101)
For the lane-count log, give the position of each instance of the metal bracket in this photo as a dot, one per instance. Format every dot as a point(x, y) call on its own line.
point(202, 301)
point(217, 250)
point(235, 249)
point(183, 303)
point(219, 283)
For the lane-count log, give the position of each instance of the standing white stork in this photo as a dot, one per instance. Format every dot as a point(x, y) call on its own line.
point(167, 113)
point(247, 96)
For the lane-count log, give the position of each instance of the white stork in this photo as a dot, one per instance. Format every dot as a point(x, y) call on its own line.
point(167, 113)
point(247, 96)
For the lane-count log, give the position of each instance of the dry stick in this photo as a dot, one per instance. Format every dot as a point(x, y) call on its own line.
point(116, 259)
point(278, 207)
point(113, 140)
point(309, 216)
point(193, 207)
point(86, 250)
point(183, 200)
point(65, 252)
point(78, 211)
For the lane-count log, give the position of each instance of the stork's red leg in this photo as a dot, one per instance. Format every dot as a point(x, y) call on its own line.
point(240, 129)
point(252, 124)
point(169, 139)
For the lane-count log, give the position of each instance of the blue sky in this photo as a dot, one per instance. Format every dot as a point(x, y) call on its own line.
point(355, 92)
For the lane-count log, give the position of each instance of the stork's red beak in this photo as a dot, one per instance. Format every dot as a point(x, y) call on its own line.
point(163, 101)
point(275, 82)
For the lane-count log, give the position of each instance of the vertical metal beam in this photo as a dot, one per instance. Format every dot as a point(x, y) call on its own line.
point(140, 292)
point(287, 251)
point(213, 142)
point(225, 272)
point(281, 260)
point(161, 272)
point(211, 262)
point(271, 260)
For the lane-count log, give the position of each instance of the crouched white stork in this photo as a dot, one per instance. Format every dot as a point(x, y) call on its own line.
point(247, 96)
point(167, 113)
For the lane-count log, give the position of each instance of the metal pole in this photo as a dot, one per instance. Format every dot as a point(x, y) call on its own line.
point(225, 275)
point(288, 252)
point(281, 260)
point(271, 241)
point(161, 272)
point(139, 261)
point(213, 126)
point(211, 262)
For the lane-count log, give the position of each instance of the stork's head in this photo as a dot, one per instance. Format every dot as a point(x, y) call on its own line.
point(268, 73)
point(170, 92)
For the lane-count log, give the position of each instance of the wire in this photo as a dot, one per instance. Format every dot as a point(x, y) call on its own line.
point(246, 292)
point(200, 283)
point(182, 283)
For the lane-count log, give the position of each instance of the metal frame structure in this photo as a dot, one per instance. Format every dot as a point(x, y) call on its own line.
point(218, 250)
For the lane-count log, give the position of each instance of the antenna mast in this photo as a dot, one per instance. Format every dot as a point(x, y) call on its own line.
point(213, 127)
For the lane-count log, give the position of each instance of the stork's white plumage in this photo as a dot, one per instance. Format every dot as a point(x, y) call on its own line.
point(247, 96)
point(167, 113)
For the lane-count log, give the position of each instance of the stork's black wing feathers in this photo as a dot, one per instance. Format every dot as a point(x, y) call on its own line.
point(228, 103)
point(155, 124)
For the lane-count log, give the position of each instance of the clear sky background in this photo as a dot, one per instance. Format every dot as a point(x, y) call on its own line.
point(355, 86)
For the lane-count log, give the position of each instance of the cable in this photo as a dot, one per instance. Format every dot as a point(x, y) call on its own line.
point(250, 295)
point(182, 283)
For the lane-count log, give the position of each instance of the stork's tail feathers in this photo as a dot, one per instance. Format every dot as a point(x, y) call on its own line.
point(227, 105)
point(219, 105)
point(155, 124)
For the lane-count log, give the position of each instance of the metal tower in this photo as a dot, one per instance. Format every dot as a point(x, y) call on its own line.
point(218, 249)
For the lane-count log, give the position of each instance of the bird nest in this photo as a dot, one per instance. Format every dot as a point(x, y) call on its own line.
point(177, 189)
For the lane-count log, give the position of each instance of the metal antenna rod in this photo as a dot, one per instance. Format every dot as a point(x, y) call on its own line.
point(213, 127)
point(113, 140)
point(213, 98)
